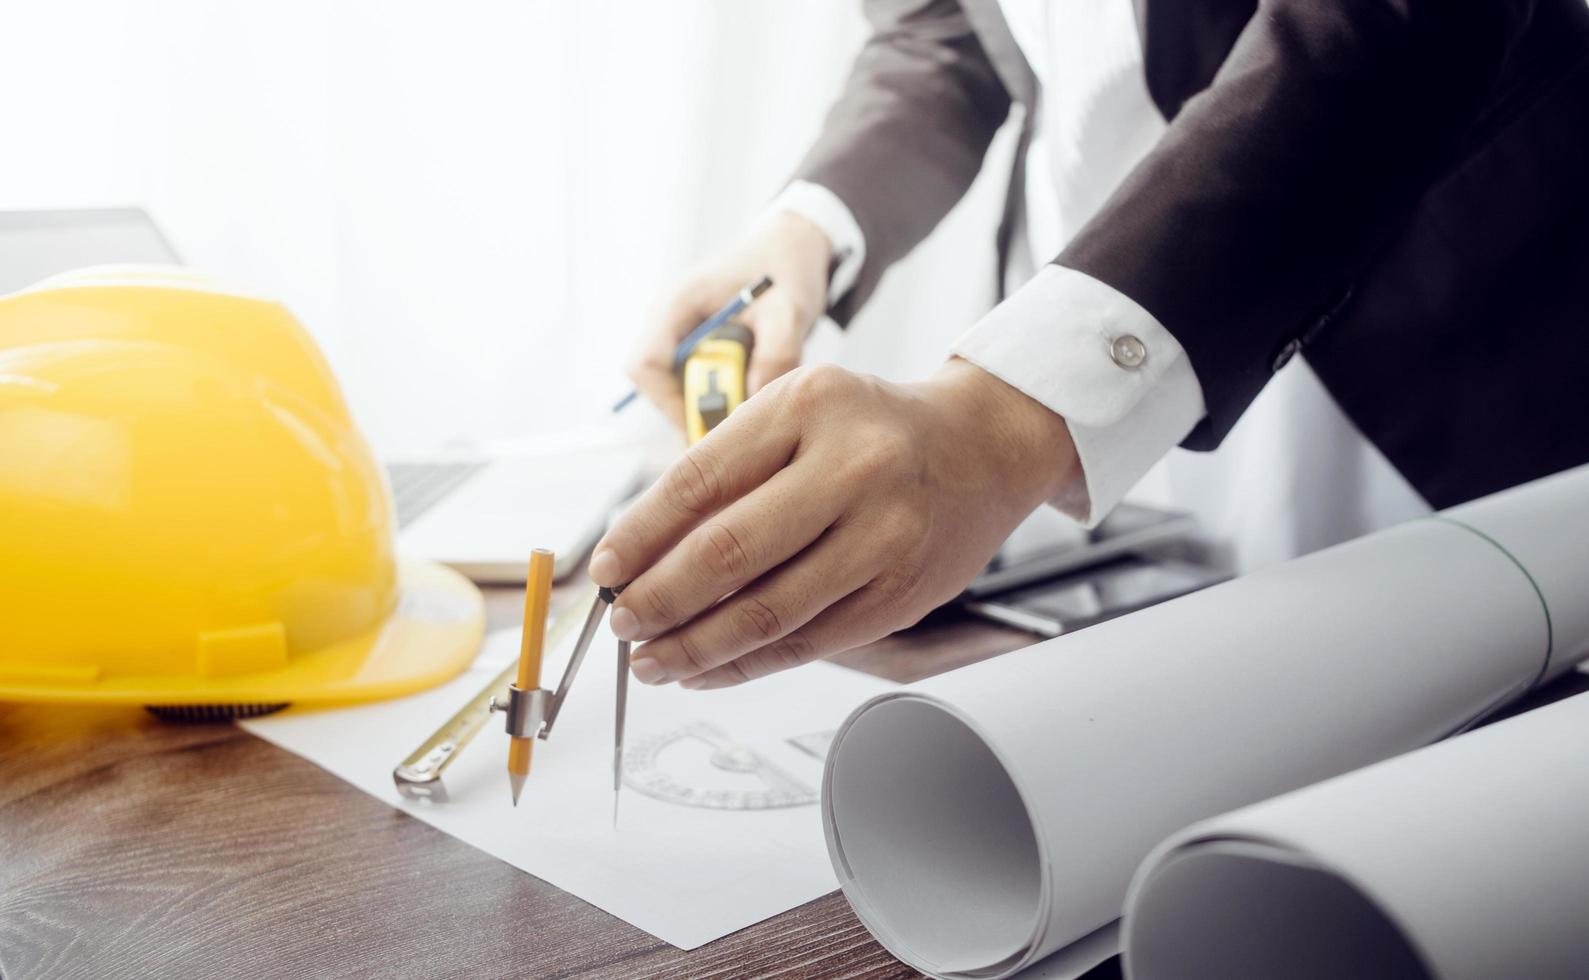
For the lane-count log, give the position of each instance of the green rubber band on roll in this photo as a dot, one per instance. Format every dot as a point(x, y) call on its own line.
point(1550, 633)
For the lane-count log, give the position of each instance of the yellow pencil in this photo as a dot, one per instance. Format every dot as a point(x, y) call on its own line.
point(537, 597)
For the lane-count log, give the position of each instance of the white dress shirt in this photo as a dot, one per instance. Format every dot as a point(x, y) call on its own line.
point(1293, 476)
point(1120, 380)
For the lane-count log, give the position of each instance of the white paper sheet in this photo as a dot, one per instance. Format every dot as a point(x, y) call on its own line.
point(685, 874)
point(1463, 861)
point(992, 817)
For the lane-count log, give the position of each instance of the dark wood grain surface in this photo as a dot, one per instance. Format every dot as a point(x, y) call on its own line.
point(131, 847)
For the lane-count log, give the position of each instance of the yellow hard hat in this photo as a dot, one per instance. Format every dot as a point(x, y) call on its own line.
point(188, 515)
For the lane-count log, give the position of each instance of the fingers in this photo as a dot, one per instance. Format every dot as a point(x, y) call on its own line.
point(758, 532)
point(659, 386)
point(652, 370)
point(739, 455)
point(839, 593)
point(767, 610)
point(869, 613)
point(780, 330)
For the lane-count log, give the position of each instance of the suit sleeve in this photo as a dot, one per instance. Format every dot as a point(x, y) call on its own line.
point(1273, 188)
point(908, 133)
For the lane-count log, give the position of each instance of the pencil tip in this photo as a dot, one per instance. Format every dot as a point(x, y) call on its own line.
point(517, 782)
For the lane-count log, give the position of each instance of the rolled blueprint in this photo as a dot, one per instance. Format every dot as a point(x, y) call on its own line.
point(991, 818)
point(1461, 861)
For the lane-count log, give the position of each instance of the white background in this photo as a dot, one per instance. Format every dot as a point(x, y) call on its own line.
point(472, 205)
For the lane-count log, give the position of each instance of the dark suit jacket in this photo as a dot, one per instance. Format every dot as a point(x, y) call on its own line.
point(1399, 188)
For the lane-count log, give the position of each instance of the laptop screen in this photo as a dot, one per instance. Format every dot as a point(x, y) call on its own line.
point(36, 244)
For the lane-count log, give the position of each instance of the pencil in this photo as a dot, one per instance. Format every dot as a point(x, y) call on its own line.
point(681, 353)
point(537, 597)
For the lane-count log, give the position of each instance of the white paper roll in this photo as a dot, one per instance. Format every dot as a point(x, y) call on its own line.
point(1463, 861)
point(1542, 526)
point(989, 818)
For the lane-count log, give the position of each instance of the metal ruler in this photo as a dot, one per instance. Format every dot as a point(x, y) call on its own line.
point(418, 777)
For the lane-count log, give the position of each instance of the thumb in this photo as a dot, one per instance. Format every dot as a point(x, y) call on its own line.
point(780, 341)
point(651, 365)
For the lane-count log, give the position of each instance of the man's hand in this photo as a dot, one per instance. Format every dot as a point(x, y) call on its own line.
point(831, 510)
point(787, 247)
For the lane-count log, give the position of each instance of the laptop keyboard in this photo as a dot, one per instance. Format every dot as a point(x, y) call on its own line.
point(416, 487)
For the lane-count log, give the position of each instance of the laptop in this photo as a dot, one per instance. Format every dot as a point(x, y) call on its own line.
point(484, 515)
point(38, 244)
point(481, 514)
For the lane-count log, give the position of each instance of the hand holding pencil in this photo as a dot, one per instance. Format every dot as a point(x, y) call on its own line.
point(785, 248)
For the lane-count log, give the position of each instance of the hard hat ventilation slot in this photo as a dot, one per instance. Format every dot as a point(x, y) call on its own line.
point(201, 714)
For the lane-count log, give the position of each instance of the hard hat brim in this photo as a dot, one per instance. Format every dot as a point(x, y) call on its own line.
point(434, 633)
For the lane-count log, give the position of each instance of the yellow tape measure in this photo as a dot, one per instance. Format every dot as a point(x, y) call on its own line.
point(714, 378)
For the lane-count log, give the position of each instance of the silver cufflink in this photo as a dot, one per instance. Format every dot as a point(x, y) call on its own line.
point(1128, 352)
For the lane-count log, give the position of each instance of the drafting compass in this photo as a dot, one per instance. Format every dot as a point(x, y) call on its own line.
point(531, 712)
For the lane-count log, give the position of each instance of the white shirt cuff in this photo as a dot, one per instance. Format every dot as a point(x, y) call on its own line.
point(1122, 382)
point(823, 208)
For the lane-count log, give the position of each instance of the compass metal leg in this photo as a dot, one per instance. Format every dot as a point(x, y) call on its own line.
point(618, 719)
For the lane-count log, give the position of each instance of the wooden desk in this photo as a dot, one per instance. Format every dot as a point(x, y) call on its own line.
point(202, 851)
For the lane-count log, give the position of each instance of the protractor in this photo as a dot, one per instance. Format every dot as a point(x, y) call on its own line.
point(698, 765)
